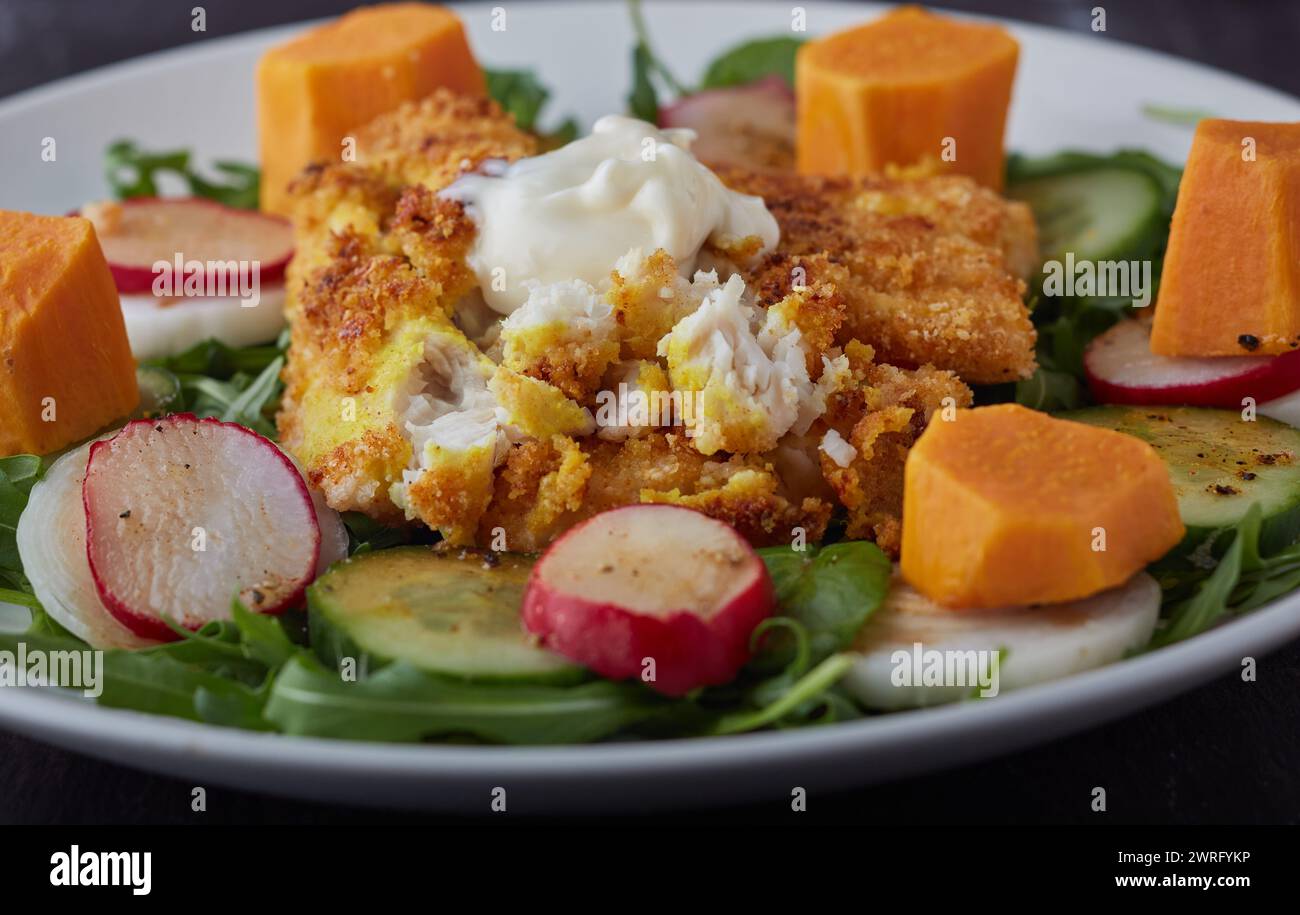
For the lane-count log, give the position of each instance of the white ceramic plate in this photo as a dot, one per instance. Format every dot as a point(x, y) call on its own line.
point(1073, 90)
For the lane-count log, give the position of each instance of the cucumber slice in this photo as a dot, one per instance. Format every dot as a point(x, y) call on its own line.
point(1219, 465)
point(1095, 213)
point(452, 612)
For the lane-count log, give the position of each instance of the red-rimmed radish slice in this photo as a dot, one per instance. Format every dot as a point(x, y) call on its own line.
point(182, 514)
point(651, 588)
point(139, 232)
point(52, 546)
point(333, 534)
point(751, 125)
point(1121, 369)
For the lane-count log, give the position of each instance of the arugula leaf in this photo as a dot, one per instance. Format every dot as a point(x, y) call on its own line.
point(261, 637)
point(21, 598)
point(402, 703)
point(1242, 580)
point(830, 591)
point(251, 406)
point(643, 101)
point(133, 172)
point(240, 385)
point(154, 682)
point(17, 476)
point(807, 689)
point(521, 94)
point(216, 359)
point(242, 191)
point(753, 60)
point(215, 648)
point(157, 683)
point(738, 65)
point(130, 171)
point(1210, 602)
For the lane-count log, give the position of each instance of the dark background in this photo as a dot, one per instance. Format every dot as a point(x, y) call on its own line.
point(1226, 753)
point(41, 40)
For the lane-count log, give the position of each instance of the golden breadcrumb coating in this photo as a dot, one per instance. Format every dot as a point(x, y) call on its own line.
point(545, 487)
point(435, 140)
point(881, 416)
point(935, 265)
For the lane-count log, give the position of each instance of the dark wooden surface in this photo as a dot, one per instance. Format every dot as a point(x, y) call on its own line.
point(1225, 753)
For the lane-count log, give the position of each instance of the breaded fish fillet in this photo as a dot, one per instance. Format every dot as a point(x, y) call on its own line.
point(397, 407)
point(933, 267)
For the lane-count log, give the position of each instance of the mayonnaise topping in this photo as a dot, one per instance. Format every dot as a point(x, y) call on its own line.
point(571, 213)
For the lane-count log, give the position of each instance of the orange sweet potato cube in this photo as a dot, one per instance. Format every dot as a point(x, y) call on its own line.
point(313, 90)
point(66, 369)
point(906, 89)
point(1006, 506)
point(1231, 279)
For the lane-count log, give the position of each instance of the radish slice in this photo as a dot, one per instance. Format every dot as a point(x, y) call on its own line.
point(333, 535)
point(137, 233)
point(52, 546)
point(1122, 369)
point(182, 514)
point(161, 327)
point(334, 539)
point(658, 592)
point(751, 126)
point(1036, 644)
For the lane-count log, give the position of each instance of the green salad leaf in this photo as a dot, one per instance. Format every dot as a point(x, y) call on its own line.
point(402, 703)
point(1243, 579)
point(798, 696)
point(134, 172)
point(154, 681)
point(521, 94)
point(643, 100)
point(647, 69)
point(753, 60)
point(235, 384)
point(17, 476)
point(740, 64)
point(830, 591)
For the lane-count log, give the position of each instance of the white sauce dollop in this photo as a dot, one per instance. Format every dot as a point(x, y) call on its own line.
point(571, 213)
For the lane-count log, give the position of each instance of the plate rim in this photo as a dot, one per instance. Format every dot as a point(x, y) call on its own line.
point(1084, 699)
